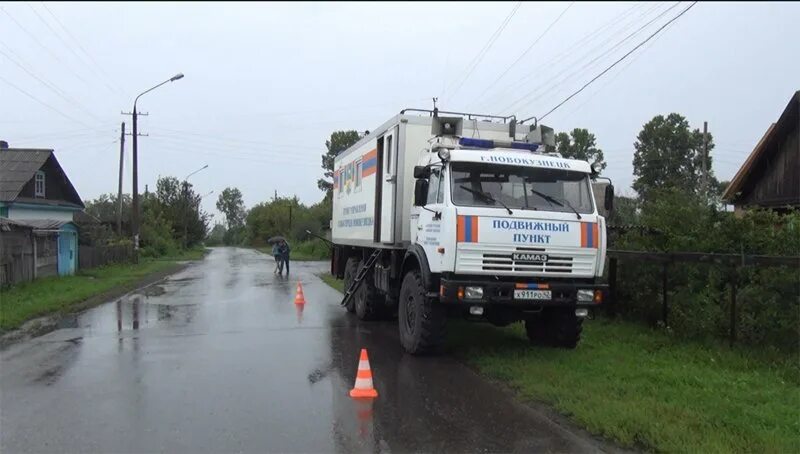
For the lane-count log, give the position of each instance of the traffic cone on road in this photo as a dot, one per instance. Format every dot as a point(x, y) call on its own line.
point(363, 387)
point(299, 298)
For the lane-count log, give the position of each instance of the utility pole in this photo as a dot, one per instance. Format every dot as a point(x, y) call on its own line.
point(705, 159)
point(135, 180)
point(119, 192)
point(135, 183)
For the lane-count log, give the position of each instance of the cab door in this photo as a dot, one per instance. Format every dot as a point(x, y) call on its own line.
point(388, 186)
point(429, 227)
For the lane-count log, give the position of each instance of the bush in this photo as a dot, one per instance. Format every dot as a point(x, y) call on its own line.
point(314, 249)
point(768, 304)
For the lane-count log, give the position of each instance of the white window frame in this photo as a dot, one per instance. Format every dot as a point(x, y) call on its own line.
point(38, 181)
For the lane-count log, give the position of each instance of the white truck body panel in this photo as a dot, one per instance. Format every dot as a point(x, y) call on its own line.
point(356, 180)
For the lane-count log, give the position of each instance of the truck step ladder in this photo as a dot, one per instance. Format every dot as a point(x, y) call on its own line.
point(362, 273)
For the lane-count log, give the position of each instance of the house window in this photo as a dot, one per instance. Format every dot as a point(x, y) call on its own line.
point(39, 184)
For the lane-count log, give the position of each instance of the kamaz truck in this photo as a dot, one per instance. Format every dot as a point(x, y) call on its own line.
point(446, 214)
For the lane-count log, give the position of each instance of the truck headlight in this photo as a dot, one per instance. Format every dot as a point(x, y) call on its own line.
point(585, 296)
point(473, 293)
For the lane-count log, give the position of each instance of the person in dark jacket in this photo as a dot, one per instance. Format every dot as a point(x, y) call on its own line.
point(284, 251)
point(276, 252)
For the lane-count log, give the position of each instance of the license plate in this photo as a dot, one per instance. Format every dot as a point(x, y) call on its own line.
point(533, 294)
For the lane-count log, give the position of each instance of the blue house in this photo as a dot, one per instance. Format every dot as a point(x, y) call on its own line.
point(35, 192)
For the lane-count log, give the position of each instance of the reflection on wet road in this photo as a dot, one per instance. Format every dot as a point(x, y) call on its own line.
point(219, 359)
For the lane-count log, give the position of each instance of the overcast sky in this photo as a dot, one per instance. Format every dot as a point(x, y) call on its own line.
point(266, 84)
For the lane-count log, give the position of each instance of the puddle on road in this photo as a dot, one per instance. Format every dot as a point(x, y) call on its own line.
point(154, 290)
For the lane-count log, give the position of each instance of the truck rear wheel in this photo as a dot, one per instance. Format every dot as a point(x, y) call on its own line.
point(420, 319)
point(350, 270)
point(367, 300)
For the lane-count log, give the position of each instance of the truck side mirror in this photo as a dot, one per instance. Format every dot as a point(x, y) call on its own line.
point(609, 198)
point(420, 192)
point(422, 171)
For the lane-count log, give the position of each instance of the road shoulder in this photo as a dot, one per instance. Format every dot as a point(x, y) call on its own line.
point(46, 323)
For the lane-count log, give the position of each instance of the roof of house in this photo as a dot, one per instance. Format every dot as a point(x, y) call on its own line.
point(7, 225)
point(762, 150)
point(35, 224)
point(18, 166)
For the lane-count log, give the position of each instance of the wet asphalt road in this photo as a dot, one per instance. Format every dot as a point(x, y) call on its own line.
point(219, 359)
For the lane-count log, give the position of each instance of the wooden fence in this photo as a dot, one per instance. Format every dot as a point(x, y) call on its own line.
point(667, 259)
point(16, 268)
point(94, 256)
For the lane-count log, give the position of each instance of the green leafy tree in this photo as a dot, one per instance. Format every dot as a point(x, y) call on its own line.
point(231, 204)
point(339, 141)
point(217, 235)
point(669, 155)
point(579, 144)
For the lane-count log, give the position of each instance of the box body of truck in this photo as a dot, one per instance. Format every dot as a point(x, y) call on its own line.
point(476, 222)
point(373, 180)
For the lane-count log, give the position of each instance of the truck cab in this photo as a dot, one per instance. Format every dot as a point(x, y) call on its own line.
point(512, 234)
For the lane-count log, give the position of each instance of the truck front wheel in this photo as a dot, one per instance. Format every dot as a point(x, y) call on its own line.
point(421, 320)
point(555, 328)
point(350, 270)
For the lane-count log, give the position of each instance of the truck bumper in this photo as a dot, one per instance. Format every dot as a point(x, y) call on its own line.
point(453, 291)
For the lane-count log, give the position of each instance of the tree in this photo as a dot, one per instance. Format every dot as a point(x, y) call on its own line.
point(579, 144)
point(217, 235)
point(231, 204)
point(339, 141)
point(670, 155)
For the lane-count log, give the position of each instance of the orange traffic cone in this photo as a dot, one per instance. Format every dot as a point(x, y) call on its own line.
point(299, 298)
point(363, 386)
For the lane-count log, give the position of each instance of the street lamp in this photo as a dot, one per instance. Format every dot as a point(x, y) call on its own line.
point(135, 179)
point(201, 168)
point(186, 204)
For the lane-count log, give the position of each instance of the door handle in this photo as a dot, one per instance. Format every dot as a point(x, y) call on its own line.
point(419, 227)
point(390, 179)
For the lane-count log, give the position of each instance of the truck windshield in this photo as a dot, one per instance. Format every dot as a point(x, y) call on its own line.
point(527, 188)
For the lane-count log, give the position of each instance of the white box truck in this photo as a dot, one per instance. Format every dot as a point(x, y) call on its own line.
point(445, 214)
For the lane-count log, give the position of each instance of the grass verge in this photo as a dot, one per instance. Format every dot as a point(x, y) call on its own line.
point(332, 281)
point(306, 251)
point(60, 294)
point(643, 388)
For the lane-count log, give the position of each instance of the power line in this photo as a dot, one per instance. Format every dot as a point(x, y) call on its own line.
point(619, 60)
point(523, 54)
point(615, 76)
point(78, 43)
point(542, 89)
point(591, 64)
point(232, 139)
point(43, 103)
point(70, 48)
point(566, 52)
point(482, 53)
point(47, 49)
point(50, 86)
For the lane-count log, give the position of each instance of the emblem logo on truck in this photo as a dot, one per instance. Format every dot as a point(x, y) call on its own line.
point(520, 257)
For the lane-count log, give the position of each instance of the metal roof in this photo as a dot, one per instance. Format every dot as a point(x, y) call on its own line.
point(7, 225)
point(17, 167)
point(44, 224)
point(34, 224)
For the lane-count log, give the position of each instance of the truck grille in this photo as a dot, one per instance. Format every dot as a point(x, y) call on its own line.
point(489, 259)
